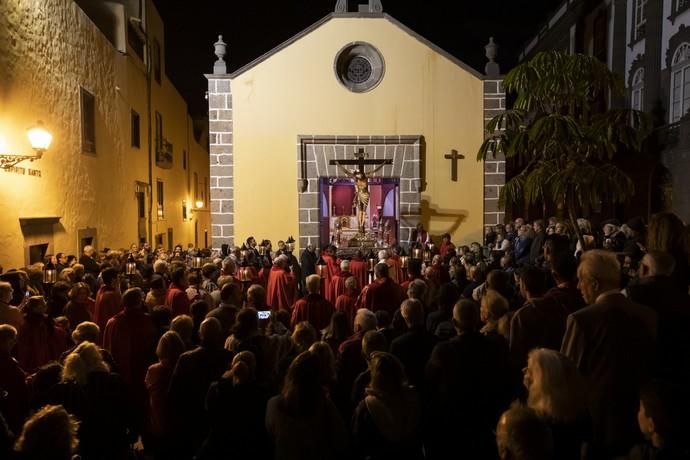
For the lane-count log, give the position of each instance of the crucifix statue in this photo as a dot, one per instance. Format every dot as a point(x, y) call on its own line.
point(361, 200)
point(454, 156)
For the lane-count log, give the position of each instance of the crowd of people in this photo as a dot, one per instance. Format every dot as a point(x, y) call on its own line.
point(542, 342)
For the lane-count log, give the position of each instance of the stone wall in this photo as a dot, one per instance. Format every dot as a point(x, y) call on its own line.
point(494, 166)
point(221, 160)
point(314, 154)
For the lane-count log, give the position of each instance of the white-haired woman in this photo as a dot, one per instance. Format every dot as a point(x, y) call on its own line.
point(556, 392)
point(98, 399)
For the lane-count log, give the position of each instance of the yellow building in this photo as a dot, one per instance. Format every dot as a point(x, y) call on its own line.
point(126, 164)
point(351, 82)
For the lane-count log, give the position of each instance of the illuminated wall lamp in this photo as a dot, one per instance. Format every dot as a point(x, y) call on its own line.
point(40, 140)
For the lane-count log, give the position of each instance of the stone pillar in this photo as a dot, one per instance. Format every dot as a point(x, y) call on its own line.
point(221, 152)
point(494, 167)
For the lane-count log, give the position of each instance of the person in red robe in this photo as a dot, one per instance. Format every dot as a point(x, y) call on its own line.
point(282, 288)
point(359, 269)
point(446, 246)
point(176, 298)
point(395, 266)
point(347, 301)
point(383, 293)
point(108, 299)
point(332, 269)
point(312, 307)
point(130, 337)
point(414, 272)
point(338, 281)
point(39, 340)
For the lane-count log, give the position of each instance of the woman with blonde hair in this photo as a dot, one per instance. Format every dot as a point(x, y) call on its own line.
point(98, 399)
point(84, 360)
point(556, 392)
point(50, 434)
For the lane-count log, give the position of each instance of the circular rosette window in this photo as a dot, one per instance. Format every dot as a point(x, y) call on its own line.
point(359, 67)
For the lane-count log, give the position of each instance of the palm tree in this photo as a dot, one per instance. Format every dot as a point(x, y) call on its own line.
point(563, 142)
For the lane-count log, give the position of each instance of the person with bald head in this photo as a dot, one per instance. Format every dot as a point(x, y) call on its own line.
point(282, 286)
point(612, 343)
point(191, 379)
point(468, 385)
point(338, 281)
point(382, 293)
point(414, 347)
point(312, 307)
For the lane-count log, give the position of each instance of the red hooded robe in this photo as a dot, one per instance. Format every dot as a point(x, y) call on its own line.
point(281, 290)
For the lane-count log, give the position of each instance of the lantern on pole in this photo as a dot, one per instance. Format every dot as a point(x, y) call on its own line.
point(49, 273)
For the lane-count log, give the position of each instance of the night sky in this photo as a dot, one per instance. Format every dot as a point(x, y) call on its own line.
point(252, 27)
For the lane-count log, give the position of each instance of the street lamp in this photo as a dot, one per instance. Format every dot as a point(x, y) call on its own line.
point(39, 138)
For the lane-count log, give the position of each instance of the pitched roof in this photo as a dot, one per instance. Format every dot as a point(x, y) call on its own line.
point(331, 16)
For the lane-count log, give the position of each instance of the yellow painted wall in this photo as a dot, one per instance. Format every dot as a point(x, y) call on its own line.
point(48, 49)
point(296, 92)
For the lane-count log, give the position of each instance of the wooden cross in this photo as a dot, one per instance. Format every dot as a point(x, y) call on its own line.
point(454, 156)
point(360, 161)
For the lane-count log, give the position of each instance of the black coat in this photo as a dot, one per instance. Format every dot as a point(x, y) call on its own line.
point(673, 307)
point(612, 344)
point(193, 375)
point(413, 348)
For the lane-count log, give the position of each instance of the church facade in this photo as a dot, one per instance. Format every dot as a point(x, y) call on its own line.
point(290, 131)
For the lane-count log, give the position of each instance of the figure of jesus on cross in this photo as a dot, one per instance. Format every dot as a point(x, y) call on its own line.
point(361, 200)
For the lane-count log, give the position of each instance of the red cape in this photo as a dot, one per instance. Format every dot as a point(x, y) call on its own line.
point(280, 293)
point(177, 301)
point(348, 304)
point(130, 337)
point(359, 270)
point(108, 304)
point(332, 269)
point(382, 294)
point(338, 284)
point(38, 342)
point(395, 268)
point(312, 308)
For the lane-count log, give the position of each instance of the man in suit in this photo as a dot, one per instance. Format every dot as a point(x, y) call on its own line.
point(414, 347)
point(612, 342)
point(467, 387)
point(540, 323)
